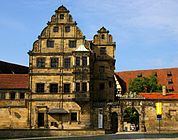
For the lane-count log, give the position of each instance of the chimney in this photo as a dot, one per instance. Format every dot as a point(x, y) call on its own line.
point(164, 90)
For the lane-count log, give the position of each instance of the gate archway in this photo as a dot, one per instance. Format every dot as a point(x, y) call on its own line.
point(131, 119)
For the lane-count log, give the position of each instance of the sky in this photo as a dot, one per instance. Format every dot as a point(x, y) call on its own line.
point(145, 31)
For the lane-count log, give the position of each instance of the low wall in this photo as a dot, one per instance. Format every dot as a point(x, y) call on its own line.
point(23, 133)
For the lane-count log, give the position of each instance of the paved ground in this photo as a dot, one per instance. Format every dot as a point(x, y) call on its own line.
point(119, 136)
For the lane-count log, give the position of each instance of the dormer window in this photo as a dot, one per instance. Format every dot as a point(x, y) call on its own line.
point(61, 16)
point(139, 75)
point(169, 73)
point(170, 81)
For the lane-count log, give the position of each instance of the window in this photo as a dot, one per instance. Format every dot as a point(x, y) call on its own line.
point(84, 61)
point(169, 73)
point(84, 75)
point(61, 16)
point(67, 63)
point(77, 87)
point(67, 29)
point(73, 116)
point(77, 61)
point(170, 81)
point(2, 95)
point(40, 62)
point(110, 84)
point(50, 43)
point(55, 29)
point(139, 75)
point(72, 43)
point(22, 95)
point(102, 36)
point(40, 87)
point(102, 50)
point(101, 86)
point(101, 69)
point(54, 62)
point(12, 95)
point(53, 88)
point(78, 75)
point(84, 87)
point(66, 88)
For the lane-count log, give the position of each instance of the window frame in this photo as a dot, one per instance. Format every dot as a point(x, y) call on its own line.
point(40, 87)
point(77, 87)
point(12, 95)
point(50, 43)
point(67, 29)
point(72, 43)
point(73, 116)
point(84, 61)
point(67, 63)
point(54, 62)
point(101, 86)
point(55, 29)
point(22, 95)
point(66, 88)
point(53, 88)
point(40, 62)
point(84, 87)
point(77, 61)
point(61, 16)
point(102, 50)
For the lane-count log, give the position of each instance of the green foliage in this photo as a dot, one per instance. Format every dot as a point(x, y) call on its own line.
point(131, 115)
point(144, 84)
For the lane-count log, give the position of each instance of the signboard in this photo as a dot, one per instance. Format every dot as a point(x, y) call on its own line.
point(159, 110)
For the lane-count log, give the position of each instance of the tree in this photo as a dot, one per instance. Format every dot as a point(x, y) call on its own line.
point(144, 84)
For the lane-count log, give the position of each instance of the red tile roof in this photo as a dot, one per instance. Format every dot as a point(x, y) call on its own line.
point(159, 96)
point(163, 76)
point(14, 81)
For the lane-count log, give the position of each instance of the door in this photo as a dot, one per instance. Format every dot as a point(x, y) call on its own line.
point(100, 118)
point(40, 119)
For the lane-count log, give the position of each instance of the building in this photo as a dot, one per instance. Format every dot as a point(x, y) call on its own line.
point(71, 85)
point(70, 79)
point(166, 77)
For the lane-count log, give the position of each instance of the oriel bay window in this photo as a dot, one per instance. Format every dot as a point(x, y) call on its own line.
point(77, 87)
point(39, 87)
point(77, 61)
point(40, 62)
point(84, 87)
point(54, 62)
point(84, 61)
point(53, 88)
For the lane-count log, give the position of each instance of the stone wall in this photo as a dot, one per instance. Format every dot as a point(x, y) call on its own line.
point(22, 133)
